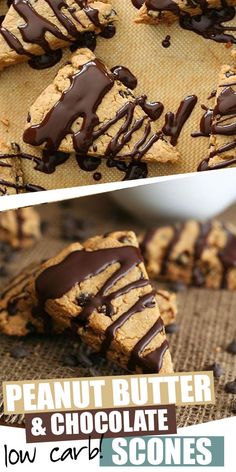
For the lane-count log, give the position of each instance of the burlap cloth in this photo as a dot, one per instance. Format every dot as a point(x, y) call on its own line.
point(189, 66)
point(206, 319)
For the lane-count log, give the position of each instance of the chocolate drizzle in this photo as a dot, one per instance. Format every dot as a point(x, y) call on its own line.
point(78, 266)
point(174, 123)
point(205, 124)
point(125, 76)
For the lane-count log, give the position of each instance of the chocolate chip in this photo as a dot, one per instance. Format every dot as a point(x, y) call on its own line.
point(177, 287)
point(173, 328)
point(75, 229)
point(70, 360)
point(31, 328)
point(230, 387)
point(18, 352)
point(84, 299)
point(234, 408)
point(231, 348)
point(12, 307)
point(216, 368)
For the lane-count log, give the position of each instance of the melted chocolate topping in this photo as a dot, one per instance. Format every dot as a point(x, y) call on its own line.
point(124, 75)
point(205, 124)
point(174, 123)
point(78, 266)
point(46, 60)
point(227, 256)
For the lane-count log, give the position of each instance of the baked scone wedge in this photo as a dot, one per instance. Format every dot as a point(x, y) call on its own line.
point(11, 174)
point(20, 228)
point(87, 110)
point(103, 291)
point(222, 151)
point(34, 27)
point(168, 11)
point(18, 316)
point(197, 254)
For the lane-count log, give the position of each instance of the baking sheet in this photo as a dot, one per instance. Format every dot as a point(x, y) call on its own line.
point(189, 66)
point(206, 320)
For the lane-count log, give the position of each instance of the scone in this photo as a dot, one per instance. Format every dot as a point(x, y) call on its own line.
point(88, 110)
point(20, 228)
point(103, 291)
point(203, 255)
point(33, 27)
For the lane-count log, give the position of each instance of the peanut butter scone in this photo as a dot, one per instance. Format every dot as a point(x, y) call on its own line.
point(20, 228)
point(35, 27)
point(88, 110)
point(199, 254)
point(103, 291)
point(168, 11)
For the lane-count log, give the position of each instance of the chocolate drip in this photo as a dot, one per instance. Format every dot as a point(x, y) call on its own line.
point(205, 124)
point(125, 76)
point(27, 187)
point(87, 89)
point(88, 163)
point(175, 122)
point(212, 94)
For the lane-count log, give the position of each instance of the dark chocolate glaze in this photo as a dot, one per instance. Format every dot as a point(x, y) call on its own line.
point(35, 28)
point(108, 31)
point(175, 122)
point(225, 108)
point(124, 75)
point(78, 266)
point(177, 230)
point(88, 163)
point(204, 164)
point(205, 124)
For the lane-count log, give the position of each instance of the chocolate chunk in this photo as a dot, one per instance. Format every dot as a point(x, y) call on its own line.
point(18, 352)
point(231, 348)
point(75, 229)
point(230, 387)
point(84, 299)
point(173, 328)
point(70, 360)
point(216, 368)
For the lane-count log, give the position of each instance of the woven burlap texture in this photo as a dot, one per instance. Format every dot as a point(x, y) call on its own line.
point(189, 66)
point(206, 319)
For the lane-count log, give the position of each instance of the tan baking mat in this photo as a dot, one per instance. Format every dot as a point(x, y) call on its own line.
point(206, 319)
point(189, 66)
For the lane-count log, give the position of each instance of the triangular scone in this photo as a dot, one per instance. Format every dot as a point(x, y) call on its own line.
point(102, 290)
point(34, 27)
point(223, 131)
point(20, 228)
point(162, 11)
point(18, 316)
point(198, 254)
point(88, 110)
point(11, 175)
